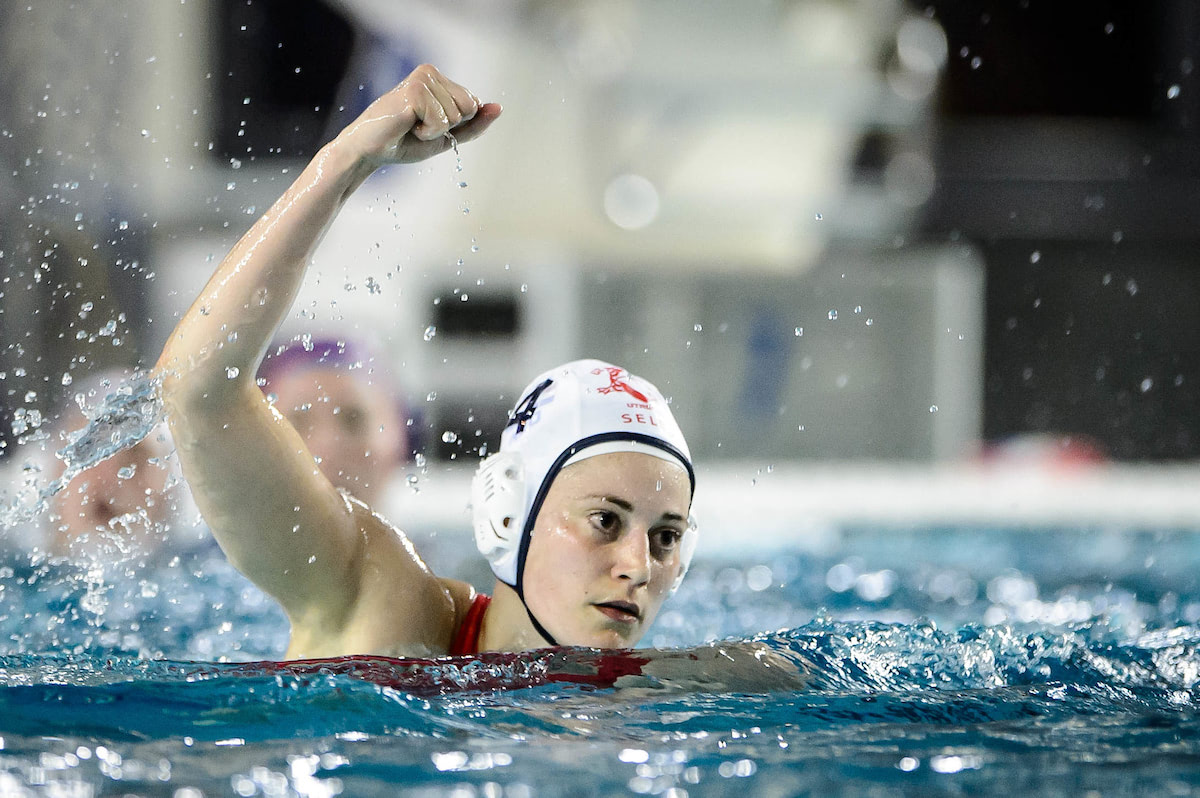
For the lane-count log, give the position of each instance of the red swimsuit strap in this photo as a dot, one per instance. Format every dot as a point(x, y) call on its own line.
point(466, 639)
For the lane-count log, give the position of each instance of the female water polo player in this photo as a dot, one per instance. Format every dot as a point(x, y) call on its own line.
point(583, 513)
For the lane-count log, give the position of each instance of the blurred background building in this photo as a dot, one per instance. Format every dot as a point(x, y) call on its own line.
point(831, 230)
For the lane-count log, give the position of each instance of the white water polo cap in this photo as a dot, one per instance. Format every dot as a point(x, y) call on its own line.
point(578, 410)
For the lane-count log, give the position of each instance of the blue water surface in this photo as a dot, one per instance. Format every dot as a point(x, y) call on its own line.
point(892, 661)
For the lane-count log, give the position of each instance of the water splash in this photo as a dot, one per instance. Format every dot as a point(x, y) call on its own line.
point(118, 421)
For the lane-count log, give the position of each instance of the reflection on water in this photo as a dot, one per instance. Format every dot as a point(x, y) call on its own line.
point(900, 660)
point(940, 661)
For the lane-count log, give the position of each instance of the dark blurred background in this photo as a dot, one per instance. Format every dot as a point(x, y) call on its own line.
point(1062, 140)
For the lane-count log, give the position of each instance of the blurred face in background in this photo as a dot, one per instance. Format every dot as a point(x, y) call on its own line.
point(119, 504)
point(354, 427)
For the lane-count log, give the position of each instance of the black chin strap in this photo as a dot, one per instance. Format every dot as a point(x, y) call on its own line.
point(549, 638)
point(520, 417)
point(537, 626)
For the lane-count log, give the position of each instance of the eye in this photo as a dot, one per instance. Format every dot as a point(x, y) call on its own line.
point(605, 521)
point(351, 419)
point(664, 540)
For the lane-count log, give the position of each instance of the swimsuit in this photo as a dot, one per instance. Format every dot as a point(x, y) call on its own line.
point(503, 670)
point(466, 638)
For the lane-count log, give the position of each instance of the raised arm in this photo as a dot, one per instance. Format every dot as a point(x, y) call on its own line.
point(278, 519)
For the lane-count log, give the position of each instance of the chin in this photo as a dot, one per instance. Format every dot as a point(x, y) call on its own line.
point(610, 638)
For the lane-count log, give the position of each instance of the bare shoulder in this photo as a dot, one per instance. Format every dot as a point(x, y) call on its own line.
point(462, 594)
point(399, 606)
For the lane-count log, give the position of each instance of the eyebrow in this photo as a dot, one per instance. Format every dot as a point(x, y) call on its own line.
point(628, 507)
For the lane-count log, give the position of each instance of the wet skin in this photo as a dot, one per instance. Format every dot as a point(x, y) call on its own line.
point(604, 551)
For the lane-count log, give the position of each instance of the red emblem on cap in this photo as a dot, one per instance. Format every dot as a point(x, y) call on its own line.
point(616, 383)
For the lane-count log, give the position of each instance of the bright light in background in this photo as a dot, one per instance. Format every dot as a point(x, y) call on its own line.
point(631, 202)
point(921, 45)
point(921, 52)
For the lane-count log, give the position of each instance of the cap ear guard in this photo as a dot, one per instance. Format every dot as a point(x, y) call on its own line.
point(497, 509)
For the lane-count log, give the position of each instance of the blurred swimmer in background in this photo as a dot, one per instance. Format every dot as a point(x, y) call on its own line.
point(345, 404)
point(122, 505)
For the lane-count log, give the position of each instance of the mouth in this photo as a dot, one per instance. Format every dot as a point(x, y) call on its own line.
point(622, 611)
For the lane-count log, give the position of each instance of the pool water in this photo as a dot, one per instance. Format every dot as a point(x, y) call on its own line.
point(936, 661)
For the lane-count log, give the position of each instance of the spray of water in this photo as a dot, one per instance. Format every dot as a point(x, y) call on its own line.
point(123, 417)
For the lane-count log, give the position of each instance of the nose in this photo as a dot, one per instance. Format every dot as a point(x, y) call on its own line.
point(632, 557)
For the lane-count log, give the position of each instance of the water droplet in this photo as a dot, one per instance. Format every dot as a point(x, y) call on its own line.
point(431, 396)
point(449, 437)
point(833, 314)
point(231, 372)
point(1131, 287)
point(799, 331)
point(67, 379)
point(697, 327)
point(430, 332)
point(858, 308)
point(870, 322)
point(524, 288)
point(1147, 384)
point(123, 225)
point(1035, 256)
point(127, 472)
point(1172, 91)
point(933, 408)
point(260, 296)
point(818, 217)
